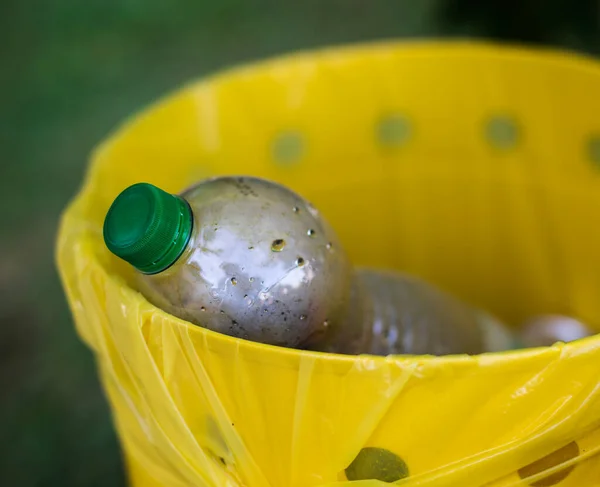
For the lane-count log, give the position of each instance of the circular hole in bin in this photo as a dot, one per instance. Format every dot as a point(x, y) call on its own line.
point(502, 132)
point(377, 464)
point(593, 149)
point(558, 457)
point(288, 147)
point(393, 130)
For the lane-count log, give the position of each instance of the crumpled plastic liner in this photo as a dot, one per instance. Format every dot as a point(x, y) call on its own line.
point(473, 166)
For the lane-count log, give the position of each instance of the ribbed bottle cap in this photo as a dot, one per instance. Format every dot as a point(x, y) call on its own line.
point(148, 227)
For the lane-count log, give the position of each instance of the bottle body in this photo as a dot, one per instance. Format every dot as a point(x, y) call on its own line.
point(394, 313)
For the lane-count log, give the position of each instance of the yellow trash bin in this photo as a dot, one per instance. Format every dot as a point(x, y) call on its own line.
point(474, 166)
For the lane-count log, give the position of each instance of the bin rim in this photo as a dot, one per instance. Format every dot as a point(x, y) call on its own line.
point(459, 47)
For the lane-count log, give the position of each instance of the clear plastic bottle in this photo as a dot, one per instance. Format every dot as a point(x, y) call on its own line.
point(250, 258)
point(546, 330)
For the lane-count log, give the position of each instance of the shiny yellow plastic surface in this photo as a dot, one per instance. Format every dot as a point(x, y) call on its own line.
point(475, 167)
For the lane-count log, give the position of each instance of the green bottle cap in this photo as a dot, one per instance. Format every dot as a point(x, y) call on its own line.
point(148, 227)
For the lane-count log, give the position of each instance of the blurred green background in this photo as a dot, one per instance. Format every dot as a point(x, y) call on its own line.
point(69, 72)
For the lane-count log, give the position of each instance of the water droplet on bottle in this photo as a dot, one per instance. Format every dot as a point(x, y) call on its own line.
point(251, 247)
point(300, 262)
point(278, 245)
point(233, 322)
point(302, 317)
point(311, 232)
point(234, 281)
point(296, 209)
point(329, 246)
point(222, 312)
point(326, 323)
point(202, 308)
point(247, 299)
point(263, 296)
point(251, 279)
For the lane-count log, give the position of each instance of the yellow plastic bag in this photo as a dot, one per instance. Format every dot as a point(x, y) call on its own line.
point(473, 166)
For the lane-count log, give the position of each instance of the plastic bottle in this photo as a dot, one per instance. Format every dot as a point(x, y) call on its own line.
point(250, 258)
point(546, 330)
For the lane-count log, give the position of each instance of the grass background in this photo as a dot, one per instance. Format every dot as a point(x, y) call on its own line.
point(69, 72)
